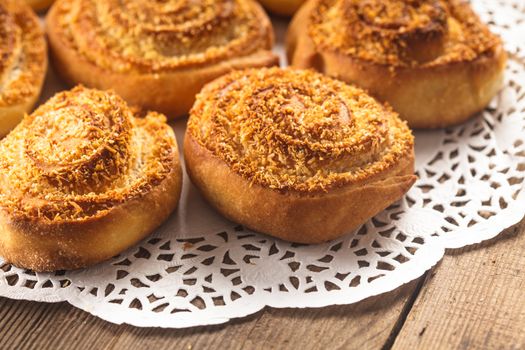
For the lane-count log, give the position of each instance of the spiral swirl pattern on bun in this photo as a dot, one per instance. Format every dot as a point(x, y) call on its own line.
point(433, 60)
point(261, 143)
point(163, 51)
point(78, 177)
point(23, 62)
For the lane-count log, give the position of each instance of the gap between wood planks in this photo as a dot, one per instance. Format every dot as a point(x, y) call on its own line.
point(474, 299)
point(362, 325)
point(404, 313)
point(422, 314)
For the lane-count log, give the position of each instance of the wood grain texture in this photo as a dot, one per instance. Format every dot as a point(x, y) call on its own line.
point(367, 325)
point(475, 299)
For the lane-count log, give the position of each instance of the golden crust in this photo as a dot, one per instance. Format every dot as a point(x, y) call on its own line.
point(160, 66)
point(82, 179)
point(23, 63)
point(296, 154)
point(437, 64)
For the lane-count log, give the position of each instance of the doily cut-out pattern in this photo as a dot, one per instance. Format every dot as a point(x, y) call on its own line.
point(200, 269)
point(507, 20)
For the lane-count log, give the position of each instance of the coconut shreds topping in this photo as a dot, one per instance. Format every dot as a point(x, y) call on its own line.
point(404, 33)
point(22, 53)
point(156, 36)
point(300, 130)
point(81, 154)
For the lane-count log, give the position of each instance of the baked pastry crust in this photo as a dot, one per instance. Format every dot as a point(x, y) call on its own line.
point(157, 55)
point(296, 154)
point(434, 61)
point(39, 5)
point(23, 62)
point(82, 179)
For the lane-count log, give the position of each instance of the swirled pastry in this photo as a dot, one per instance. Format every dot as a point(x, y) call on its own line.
point(82, 179)
point(23, 62)
point(295, 154)
point(39, 5)
point(434, 61)
point(157, 54)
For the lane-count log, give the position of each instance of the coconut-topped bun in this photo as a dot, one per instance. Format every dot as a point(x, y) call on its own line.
point(23, 62)
point(157, 54)
point(434, 61)
point(295, 154)
point(82, 179)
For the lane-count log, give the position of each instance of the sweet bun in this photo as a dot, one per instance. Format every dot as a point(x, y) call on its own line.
point(157, 54)
point(434, 61)
point(82, 179)
point(23, 62)
point(39, 5)
point(295, 154)
point(282, 7)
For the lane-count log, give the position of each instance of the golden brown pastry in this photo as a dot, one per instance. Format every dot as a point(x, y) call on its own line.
point(23, 62)
point(157, 54)
point(39, 5)
point(434, 61)
point(82, 179)
point(282, 7)
point(296, 154)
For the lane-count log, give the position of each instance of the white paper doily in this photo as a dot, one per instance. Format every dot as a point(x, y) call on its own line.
point(200, 269)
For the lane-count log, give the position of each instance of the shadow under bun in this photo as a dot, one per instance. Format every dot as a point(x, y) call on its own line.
point(295, 154)
point(82, 179)
point(157, 54)
point(39, 5)
point(282, 7)
point(23, 62)
point(434, 61)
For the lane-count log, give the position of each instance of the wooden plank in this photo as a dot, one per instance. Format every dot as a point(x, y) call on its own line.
point(474, 300)
point(367, 325)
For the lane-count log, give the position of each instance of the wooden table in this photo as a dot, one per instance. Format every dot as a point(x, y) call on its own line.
point(474, 299)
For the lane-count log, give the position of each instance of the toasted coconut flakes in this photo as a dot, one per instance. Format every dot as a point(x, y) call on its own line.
point(83, 173)
point(150, 36)
point(401, 33)
point(23, 58)
point(335, 136)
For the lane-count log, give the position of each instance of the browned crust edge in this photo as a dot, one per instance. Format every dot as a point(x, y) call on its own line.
point(172, 93)
point(290, 215)
point(10, 116)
